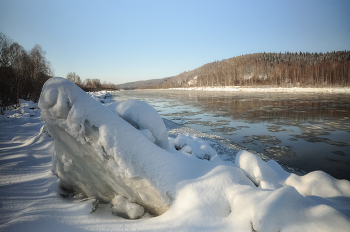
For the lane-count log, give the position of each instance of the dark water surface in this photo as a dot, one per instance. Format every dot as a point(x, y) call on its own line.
point(309, 131)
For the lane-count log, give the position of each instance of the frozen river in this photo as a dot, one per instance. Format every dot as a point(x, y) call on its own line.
point(303, 130)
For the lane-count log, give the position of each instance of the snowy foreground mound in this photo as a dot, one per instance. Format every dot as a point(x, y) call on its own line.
point(121, 154)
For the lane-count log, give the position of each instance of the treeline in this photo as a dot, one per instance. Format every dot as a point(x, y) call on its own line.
point(301, 69)
point(22, 73)
point(90, 85)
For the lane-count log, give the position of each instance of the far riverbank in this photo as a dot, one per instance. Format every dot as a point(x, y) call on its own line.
point(344, 90)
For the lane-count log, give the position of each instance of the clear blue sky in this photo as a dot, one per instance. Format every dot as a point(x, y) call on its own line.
point(122, 41)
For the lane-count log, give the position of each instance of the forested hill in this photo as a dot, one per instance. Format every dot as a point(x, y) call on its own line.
point(142, 84)
point(270, 70)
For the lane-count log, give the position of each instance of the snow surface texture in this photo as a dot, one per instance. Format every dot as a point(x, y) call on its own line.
point(250, 195)
point(145, 118)
point(269, 175)
point(194, 147)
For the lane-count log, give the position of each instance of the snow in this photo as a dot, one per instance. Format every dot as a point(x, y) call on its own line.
point(198, 191)
point(283, 210)
point(194, 147)
point(102, 96)
point(123, 208)
point(144, 117)
point(269, 175)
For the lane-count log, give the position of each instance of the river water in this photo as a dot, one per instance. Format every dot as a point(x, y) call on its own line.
point(308, 131)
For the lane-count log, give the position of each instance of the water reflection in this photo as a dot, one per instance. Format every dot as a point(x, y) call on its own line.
point(271, 107)
point(307, 131)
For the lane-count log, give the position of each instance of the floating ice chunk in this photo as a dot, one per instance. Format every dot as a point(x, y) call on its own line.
point(143, 116)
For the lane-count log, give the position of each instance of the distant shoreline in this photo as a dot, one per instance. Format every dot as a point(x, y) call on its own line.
point(344, 90)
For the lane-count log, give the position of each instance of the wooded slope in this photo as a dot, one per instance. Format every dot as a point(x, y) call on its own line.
point(302, 69)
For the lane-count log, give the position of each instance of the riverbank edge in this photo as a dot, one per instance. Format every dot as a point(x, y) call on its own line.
point(343, 90)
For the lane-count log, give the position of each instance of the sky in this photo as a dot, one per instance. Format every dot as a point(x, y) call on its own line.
point(123, 41)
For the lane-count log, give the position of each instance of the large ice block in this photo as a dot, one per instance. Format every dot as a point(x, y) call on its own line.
point(101, 155)
point(95, 149)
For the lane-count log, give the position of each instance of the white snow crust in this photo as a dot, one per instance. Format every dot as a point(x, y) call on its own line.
point(269, 175)
point(93, 144)
point(194, 147)
point(143, 117)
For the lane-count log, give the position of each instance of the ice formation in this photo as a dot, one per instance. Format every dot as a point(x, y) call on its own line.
point(100, 154)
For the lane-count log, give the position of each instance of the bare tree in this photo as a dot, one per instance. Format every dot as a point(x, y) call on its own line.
point(22, 73)
point(73, 77)
point(96, 83)
point(88, 83)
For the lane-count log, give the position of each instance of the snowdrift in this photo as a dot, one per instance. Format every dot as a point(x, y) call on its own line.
point(121, 154)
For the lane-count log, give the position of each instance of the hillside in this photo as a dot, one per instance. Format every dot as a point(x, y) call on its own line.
point(301, 69)
point(142, 84)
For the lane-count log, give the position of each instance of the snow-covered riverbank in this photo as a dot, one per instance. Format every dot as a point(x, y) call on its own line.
point(344, 90)
point(248, 194)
